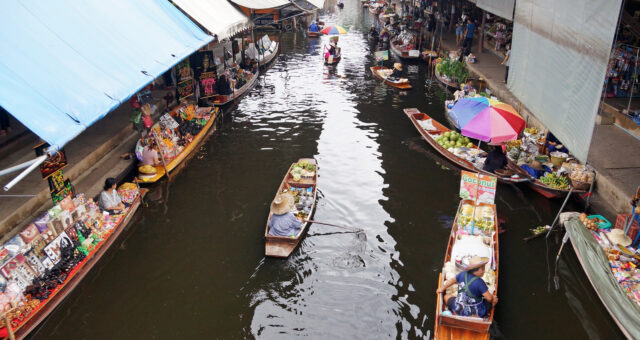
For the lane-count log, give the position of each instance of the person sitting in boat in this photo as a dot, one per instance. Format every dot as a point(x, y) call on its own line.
point(240, 79)
point(314, 28)
point(332, 49)
point(282, 221)
point(496, 159)
point(397, 72)
point(473, 297)
point(149, 154)
point(468, 87)
point(373, 32)
point(109, 199)
point(222, 86)
point(553, 144)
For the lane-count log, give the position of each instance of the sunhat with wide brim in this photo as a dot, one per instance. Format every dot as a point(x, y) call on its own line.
point(476, 262)
point(618, 236)
point(282, 204)
point(397, 66)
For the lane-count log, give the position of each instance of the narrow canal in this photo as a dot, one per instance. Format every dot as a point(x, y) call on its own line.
point(193, 266)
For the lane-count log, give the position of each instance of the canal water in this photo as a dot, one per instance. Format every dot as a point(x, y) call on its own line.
point(192, 265)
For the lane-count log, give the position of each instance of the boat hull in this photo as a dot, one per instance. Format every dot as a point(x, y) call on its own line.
point(402, 85)
point(448, 83)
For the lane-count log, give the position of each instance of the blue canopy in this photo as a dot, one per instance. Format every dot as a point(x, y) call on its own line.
point(65, 64)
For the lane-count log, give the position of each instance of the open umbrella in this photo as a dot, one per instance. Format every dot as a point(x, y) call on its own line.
point(333, 30)
point(487, 120)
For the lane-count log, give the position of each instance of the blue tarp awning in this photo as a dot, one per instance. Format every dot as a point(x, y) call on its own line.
point(65, 64)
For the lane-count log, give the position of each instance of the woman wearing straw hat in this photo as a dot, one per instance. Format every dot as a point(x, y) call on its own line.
point(397, 72)
point(473, 297)
point(282, 221)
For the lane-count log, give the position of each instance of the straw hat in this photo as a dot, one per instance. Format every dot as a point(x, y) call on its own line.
point(397, 66)
point(536, 165)
point(476, 262)
point(617, 236)
point(282, 204)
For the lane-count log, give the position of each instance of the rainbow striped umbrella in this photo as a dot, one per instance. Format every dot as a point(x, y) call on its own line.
point(488, 120)
point(333, 30)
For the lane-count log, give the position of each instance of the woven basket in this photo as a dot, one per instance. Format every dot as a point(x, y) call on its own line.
point(580, 185)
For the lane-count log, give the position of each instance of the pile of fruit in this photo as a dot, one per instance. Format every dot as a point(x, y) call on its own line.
point(452, 139)
point(554, 181)
point(591, 224)
point(303, 169)
point(532, 130)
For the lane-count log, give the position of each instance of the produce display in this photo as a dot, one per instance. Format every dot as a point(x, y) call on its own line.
point(480, 219)
point(452, 139)
point(302, 169)
point(453, 70)
point(303, 198)
point(554, 181)
point(593, 223)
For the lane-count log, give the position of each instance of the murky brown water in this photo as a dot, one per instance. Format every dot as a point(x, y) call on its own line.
point(193, 266)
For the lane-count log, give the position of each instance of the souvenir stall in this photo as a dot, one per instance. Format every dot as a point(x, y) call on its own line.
point(497, 34)
point(57, 248)
point(622, 72)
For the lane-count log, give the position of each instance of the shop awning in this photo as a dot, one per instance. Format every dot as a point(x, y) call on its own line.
point(219, 17)
point(66, 64)
point(261, 4)
point(317, 3)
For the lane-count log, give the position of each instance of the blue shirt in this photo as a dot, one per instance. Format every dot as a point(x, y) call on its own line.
point(284, 225)
point(469, 300)
point(313, 28)
point(470, 28)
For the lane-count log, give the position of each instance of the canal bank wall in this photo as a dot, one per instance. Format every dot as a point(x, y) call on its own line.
point(614, 153)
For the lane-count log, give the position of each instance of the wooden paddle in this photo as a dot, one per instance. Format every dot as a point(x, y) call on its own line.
point(356, 230)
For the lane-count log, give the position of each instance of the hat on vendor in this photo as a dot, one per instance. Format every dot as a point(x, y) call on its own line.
point(397, 66)
point(282, 204)
point(618, 236)
point(476, 262)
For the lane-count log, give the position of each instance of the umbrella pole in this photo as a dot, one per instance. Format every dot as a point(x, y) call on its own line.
point(475, 202)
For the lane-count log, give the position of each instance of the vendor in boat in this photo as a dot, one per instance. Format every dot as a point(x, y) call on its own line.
point(397, 72)
point(314, 28)
point(109, 200)
point(553, 144)
point(150, 154)
point(282, 221)
point(373, 32)
point(496, 159)
point(468, 87)
point(222, 86)
point(332, 48)
point(473, 298)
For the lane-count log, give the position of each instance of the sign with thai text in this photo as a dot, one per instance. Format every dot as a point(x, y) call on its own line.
point(478, 187)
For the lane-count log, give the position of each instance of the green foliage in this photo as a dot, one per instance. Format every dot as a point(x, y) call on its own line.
point(454, 70)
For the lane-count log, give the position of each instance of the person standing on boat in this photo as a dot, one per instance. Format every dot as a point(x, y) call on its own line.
point(397, 72)
point(109, 199)
point(313, 28)
point(473, 297)
point(282, 221)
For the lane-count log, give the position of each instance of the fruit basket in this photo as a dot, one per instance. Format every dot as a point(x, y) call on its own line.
point(600, 221)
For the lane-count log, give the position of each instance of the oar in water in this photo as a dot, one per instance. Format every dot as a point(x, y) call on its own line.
point(356, 230)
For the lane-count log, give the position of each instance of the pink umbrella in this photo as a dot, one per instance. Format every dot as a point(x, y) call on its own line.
point(495, 124)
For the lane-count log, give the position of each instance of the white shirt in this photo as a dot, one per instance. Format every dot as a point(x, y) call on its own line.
point(109, 200)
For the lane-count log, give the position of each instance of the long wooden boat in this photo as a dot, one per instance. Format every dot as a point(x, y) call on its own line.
point(382, 72)
point(221, 100)
point(455, 327)
point(268, 58)
point(542, 188)
point(412, 54)
point(448, 83)
point(416, 116)
point(188, 150)
point(282, 246)
point(313, 34)
point(76, 275)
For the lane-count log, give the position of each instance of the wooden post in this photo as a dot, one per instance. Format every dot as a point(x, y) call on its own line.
point(7, 323)
point(481, 42)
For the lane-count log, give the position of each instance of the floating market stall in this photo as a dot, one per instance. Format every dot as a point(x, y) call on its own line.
point(404, 45)
point(42, 264)
point(267, 51)
point(610, 263)
point(451, 72)
point(177, 135)
point(551, 175)
point(474, 233)
point(455, 147)
point(250, 79)
point(301, 182)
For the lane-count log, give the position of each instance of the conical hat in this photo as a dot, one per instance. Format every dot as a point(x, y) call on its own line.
point(282, 204)
point(617, 236)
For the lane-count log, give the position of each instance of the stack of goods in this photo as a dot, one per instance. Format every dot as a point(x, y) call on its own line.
point(582, 176)
point(452, 70)
point(47, 252)
point(303, 198)
point(405, 41)
point(525, 150)
point(303, 170)
point(623, 258)
point(451, 139)
point(177, 129)
point(477, 220)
